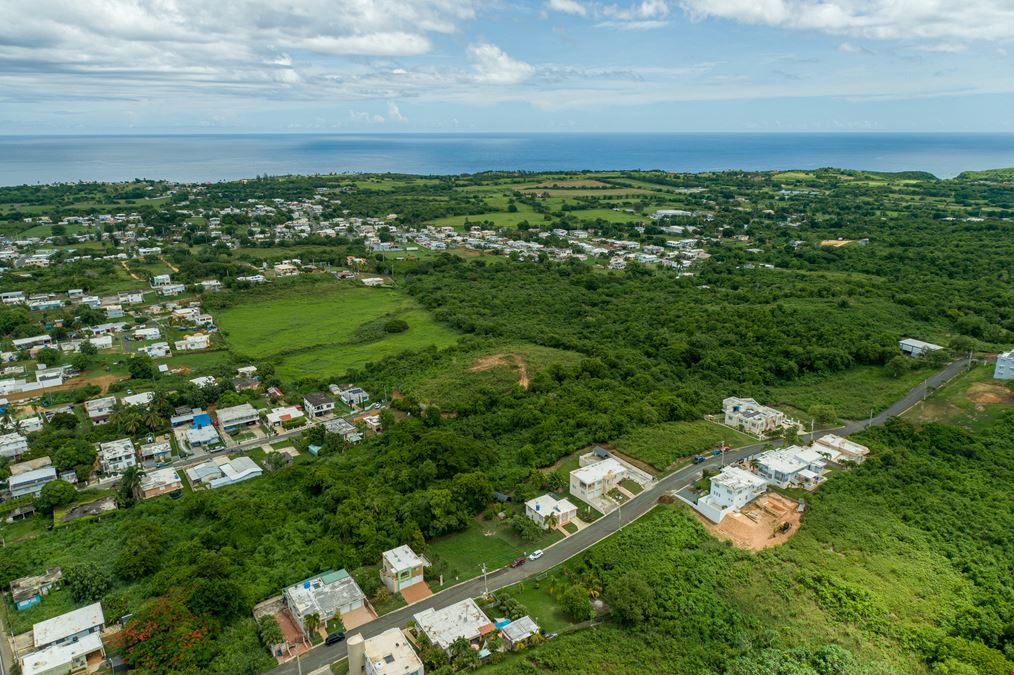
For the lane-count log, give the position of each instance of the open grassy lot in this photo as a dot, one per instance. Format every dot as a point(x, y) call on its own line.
point(499, 369)
point(852, 393)
point(497, 218)
point(972, 401)
point(493, 543)
point(329, 330)
point(663, 444)
point(537, 597)
point(609, 215)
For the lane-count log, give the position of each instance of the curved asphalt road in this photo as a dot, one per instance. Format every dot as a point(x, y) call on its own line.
point(603, 527)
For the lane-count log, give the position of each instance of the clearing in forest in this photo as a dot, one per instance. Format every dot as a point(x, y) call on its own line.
point(757, 526)
point(496, 360)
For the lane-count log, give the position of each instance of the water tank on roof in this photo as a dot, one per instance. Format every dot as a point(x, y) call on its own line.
point(306, 585)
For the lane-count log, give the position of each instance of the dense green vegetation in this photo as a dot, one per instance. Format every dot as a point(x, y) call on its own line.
point(900, 564)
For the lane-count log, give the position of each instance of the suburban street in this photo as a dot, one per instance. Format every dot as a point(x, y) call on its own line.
point(600, 529)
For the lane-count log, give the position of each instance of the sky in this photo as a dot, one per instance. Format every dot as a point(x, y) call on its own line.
point(239, 66)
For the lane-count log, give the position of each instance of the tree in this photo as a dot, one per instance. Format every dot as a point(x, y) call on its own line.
point(312, 622)
point(269, 632)
point(87, 583)
point(87, 348)
point(575, 603)
point(462, 656)
point(141, 550)
point(631, 598)
point(824, 414)
point(141, 367)
point(525, 527)
point(396, 326)
point(76, 454)
point(80, 361)
point(48, 355)
point(898, 366)
point(55, 493)
point(129, 483)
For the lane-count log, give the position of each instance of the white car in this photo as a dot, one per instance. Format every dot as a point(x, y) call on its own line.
point(536, 554)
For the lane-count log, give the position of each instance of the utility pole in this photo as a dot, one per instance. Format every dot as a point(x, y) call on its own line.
point(485, 586)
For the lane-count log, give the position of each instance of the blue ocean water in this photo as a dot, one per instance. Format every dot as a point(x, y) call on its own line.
point(44, 159)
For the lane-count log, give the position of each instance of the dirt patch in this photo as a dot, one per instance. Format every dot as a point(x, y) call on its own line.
point(102, 381)
point(836, 243)
point(133, 275)
point(497, 360)
point(985, 393)
point(756, 526)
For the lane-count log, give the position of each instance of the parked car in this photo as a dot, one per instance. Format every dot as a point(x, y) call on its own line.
point(698, 459)
point(536, 554)
point(518, 562)
point(334, 638)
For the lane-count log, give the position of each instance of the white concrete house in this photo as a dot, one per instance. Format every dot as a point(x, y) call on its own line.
point(541, 508)
point(1004, 369)
point(595, 480)
point(752, 417)
point(838, 449)
point(783, 466)
point(731, 490)
point(914, 347)
point(402, 567)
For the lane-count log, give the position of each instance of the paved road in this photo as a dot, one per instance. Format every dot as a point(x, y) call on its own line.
point(595, 532)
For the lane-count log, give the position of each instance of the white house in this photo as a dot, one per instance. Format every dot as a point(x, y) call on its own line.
point(317, 403)
point(783, 466)
point(731, 490)
point(69, 627)
point(192, 342)
point(158, 451)
point(914, 347)
point(13, 445)
point(142, 399)
point(595, 480)
point(752, 417)
point(541, 508)
point(235, 470)
point(159, 482)
point(286, 414)
point(389, 653)
point(1004, 369)
point(151, 333)
point(838, 449)
point(157, 350)
point(328, 595)
point(461, 620)
point(402, 567)
point(237, 416)
point(66, 643)
point(115, 457)
point(28, 478)
point(99, 409)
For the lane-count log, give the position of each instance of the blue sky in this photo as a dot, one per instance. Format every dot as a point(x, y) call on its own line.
point(164, 66)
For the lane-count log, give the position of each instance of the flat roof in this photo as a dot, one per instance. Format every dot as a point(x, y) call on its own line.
point(403, 557)
point(63, 626)
point(520, 629)
point(736, 478)
point(462, 619)
point(391, 653)
point(324, 594)
point(593, 473)
point(236, 412)
point(32, 476)
point(49, 659)
point(159, 478)
point(913, 342)
point(29, 465)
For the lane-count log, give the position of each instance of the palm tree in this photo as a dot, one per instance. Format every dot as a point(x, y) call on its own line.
point(552, 521)
point(312, 622)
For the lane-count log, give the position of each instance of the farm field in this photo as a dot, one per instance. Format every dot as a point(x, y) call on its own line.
point(328, 330)
point(497, 218)
point(662, 444)
point(972, 401)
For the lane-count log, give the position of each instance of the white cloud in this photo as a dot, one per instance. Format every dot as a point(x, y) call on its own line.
point(632, 25)
point(878, 19)
point(394, 114)
point(362, 117)
point(568, 7)
point(493, 65)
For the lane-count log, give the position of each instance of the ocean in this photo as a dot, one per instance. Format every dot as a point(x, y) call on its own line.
point(46, 159)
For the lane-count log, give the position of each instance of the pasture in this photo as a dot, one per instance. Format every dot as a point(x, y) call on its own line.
point(661, 445)
point(329, 330)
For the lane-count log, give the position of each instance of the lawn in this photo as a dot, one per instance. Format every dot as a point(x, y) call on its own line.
point(973, 400)
point(853, 393)
point(329, 330)
point(481, 542)
point(609, 215)
point(535, 596)
point(54, 604)
point(497, 218)
point(661, 445)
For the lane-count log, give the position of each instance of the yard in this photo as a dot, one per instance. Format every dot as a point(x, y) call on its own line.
point(535, 595)
point(325, 329)
point(493, 543)
point(972, 401)
point(662, 445)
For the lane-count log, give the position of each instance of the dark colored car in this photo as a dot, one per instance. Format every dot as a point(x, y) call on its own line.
point(518, 562)
point(334, 638)
point(698, 459)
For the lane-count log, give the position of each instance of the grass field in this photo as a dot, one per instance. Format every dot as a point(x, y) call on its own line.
point(497, 218)
point(493, 543)
point(609, 215)
point(499, 369)
point(663, 444)
point(535, 595)
point(852, 393)
point(329, 329)
point(972, 401)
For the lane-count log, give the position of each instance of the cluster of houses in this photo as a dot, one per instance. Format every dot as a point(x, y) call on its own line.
point(315, 603)
point(66, 643)
point(796, 466)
